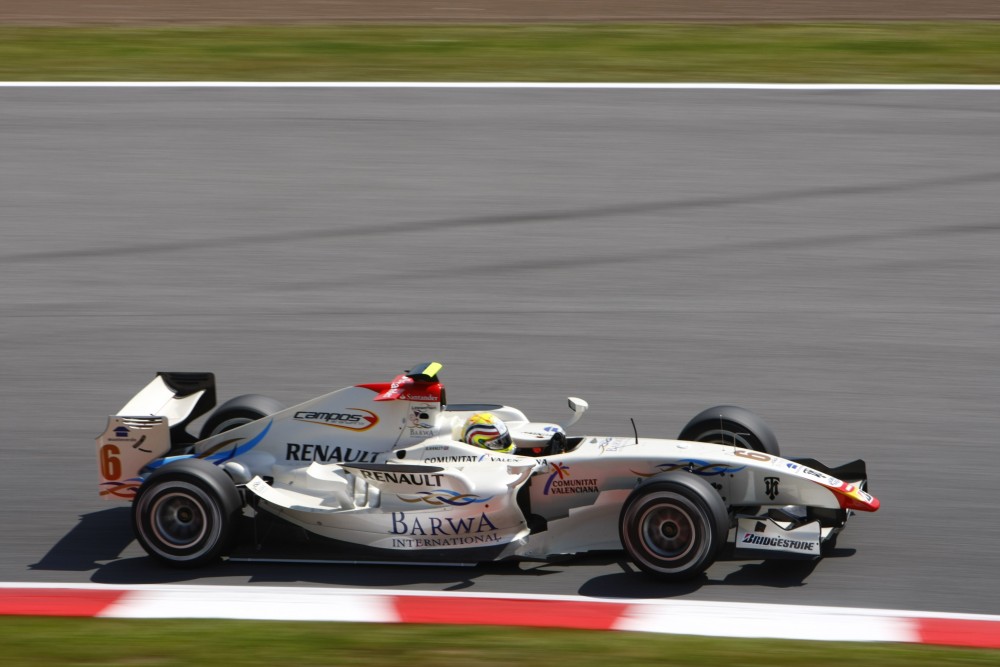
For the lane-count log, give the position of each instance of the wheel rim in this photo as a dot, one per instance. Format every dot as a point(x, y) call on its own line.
point(179, 520)
point(668, 531)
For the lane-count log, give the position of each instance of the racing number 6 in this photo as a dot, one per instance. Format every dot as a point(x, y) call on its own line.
point(756, 456)
point(111, 465)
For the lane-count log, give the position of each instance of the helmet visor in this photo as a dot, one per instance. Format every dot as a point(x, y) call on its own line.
point(500, 442)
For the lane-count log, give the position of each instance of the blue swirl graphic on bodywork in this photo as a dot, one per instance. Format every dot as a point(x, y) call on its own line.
point(694, 466)
point(242, 449)
point(212, 454)
point(445, 497)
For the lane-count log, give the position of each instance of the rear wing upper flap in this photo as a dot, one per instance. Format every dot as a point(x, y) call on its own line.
point(181, 397)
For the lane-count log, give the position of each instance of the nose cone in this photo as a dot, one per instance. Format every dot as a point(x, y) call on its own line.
point(853, 498)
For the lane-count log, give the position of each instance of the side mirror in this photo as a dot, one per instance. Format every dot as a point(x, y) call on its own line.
point(578, 406)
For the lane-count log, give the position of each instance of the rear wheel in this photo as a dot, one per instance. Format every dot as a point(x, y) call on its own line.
point(674, 529)
point(187, 513)
point(239, 411)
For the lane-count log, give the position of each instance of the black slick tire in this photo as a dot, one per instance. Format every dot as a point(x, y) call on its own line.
point(237, 412)
point(186, 514)
point(734, 426)
point(673, 529)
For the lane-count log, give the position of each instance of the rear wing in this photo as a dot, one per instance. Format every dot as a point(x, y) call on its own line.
point(148, 427)
point(180, 397)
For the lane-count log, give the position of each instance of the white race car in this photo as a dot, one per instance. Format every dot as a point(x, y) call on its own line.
point(382, 468)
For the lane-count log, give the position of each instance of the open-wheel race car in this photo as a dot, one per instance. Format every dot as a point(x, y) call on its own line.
point(393, 470)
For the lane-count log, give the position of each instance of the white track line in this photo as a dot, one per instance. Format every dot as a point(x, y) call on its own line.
point(751, 620)
point(686, 617)
point(234, 602)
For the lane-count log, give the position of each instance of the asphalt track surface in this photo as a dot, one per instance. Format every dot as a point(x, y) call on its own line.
point(828, 259)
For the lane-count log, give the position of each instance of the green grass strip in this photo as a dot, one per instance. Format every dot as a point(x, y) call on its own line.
point(805, 53)
point(155, 643)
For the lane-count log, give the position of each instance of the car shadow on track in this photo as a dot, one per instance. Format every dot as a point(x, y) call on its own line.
point(143, 570)
point(98, 541)
point(630, 583)
point(98, 537)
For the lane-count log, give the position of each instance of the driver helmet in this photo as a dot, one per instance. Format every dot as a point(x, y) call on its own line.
point(487, 431)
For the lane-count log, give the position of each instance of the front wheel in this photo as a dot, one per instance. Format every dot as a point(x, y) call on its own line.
point(674, 529)
point(187, 513)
